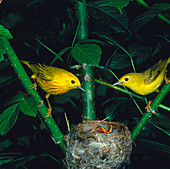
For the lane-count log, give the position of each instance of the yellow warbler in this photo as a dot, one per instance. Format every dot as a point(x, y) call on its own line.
point(53, 80)
point(148, 81)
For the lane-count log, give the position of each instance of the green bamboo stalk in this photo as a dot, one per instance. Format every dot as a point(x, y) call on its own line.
point(50, 123)
point(127, 92)
point(86, 70)
point(148, 114)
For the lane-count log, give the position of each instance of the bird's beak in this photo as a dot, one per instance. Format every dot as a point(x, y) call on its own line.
point(79, 87)
point(117, 83)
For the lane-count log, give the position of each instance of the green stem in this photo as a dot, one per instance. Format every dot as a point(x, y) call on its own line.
point(160, 97)
point(141, 124)
point(50, 123)
point(148, 114)
point(88, 96)
point(81, 13)
point(87, 70)
point(127, 92)
point(49, 49)
point(118, 88)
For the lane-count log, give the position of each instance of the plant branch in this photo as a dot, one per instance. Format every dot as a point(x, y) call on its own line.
point(50, 123)
point(148, 114)
point(127, 92)
point(86, 70)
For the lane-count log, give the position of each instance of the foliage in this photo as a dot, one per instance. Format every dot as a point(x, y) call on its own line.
point(87, 53)
point(124, 36)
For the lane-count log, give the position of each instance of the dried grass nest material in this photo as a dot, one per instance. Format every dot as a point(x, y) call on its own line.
point(95, 144)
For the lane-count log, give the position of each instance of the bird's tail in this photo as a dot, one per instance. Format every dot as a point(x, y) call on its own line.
point(26, 63)
point(36, 68)
point(168, 61)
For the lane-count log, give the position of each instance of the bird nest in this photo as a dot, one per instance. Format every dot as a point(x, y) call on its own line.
point(98, 144)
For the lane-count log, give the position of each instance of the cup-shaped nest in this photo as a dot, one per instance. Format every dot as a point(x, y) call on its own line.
point(97, 144)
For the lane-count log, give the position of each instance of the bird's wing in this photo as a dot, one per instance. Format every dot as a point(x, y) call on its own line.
point(43, 71)
point(152, 73)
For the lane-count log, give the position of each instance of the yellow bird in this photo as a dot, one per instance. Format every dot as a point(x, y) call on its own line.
point(148, 81)
point(53, 80)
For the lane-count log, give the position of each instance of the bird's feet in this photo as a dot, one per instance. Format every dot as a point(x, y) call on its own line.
point(34, 86)
point(49, 113)
point(148, 107)
point(166, 79)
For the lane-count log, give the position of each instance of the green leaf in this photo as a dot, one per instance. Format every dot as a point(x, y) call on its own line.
point(146, 145)
point(4, 144)
point(28, 106)
point(8, 118)
point(161, 120)
point(120, 4)
point(145, 17)
point(111, 111)
point(140, 53)
point(112, 15)
point(87, 53)
point(18, 159)
point(15, 99)
point(4, 79)
point(2, 50)
point(4, 33)
point(4, 65)
point(7, 157)
point(157, 49)
point(115, 103)
point(158, 8)
point(120, 61)
point(141, 20)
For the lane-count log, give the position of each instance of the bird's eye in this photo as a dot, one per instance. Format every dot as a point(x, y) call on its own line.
point(72, 81)
point(126, 79)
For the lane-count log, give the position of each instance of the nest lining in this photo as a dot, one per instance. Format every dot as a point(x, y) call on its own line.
point(99, 145)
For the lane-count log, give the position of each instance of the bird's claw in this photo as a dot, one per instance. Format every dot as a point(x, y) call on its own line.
point(41, 103)
point(148, 107)
point(167, 80)
point(49, 113)
point(33, 87)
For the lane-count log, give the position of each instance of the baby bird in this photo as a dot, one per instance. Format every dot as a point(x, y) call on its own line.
point(53, 80)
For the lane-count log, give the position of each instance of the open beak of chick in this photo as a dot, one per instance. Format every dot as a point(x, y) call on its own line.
point(117, 83)
point(79, 87)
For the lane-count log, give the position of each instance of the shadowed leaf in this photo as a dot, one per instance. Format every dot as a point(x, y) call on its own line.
point(117, 20)
point(8, 118)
